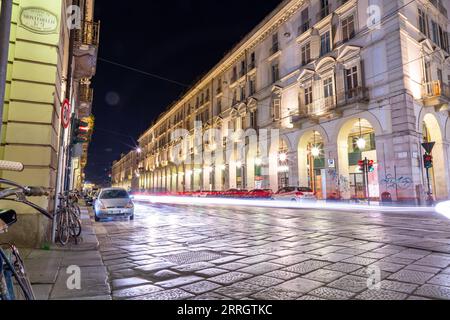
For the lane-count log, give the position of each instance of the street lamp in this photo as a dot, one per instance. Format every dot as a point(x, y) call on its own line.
point(283, 157)
point(258, 161)
point(361, 142)
point(138, 150)
point(315, 151)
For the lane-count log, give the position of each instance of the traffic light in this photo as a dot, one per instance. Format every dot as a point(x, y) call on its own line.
point(80, 132)
point(361, 165)
point(370, 166)
point(428, 161)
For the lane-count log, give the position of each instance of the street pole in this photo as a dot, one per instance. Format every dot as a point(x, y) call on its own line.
point(5, 31)
point(366, 178)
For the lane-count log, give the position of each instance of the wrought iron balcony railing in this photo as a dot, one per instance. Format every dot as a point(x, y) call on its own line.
point(85, 94)
point(88, 34)
point(354, 95)
point(435, 89)
point(438, 5)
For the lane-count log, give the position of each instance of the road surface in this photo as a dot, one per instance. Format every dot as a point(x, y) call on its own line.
point(228, 252)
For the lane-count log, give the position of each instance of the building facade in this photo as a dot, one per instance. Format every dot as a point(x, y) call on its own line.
point(40, 77)
point(332, 82)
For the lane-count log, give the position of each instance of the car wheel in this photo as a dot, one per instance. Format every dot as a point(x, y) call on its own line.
point(132, 218)
point(97, 219)
point(294, 200)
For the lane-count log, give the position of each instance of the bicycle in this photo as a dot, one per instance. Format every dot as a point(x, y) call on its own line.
point(68, 222)
point(14, 282)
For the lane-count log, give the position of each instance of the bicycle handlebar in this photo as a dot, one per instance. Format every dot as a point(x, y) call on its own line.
point(36, 192)
point(11, 166)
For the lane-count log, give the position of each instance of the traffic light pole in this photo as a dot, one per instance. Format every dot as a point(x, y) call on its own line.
point(366, 179)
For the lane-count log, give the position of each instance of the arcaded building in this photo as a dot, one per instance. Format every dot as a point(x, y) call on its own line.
point(342, 81)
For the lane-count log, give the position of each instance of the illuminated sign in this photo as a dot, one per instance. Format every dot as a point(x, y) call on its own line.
point(38, 20)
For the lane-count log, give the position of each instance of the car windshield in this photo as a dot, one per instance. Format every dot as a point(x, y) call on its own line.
point(114, 194)
point(305, 189)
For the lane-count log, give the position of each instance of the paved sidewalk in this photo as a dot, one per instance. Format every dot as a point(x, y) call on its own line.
point(48, 269)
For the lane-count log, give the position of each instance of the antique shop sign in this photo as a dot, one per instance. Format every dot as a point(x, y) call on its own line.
point(38, 20)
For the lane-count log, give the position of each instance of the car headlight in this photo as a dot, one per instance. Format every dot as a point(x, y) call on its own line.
point(101, 205)
point(130, 205)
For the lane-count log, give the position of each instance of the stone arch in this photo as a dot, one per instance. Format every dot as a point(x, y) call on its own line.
point(440, 176)
point(344, 128)
point(303, 152)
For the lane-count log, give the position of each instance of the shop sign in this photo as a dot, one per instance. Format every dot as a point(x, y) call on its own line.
point(38, 20)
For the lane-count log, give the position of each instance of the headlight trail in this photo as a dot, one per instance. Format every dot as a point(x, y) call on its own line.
point(319, 205)
point(444, 209)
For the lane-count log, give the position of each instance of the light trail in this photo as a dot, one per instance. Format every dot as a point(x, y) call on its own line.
point(319, 205)
point(444, 209)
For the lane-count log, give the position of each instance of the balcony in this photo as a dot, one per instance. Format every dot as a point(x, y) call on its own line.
point(435, 94)
point(350, 97)
point(86, 41)
point(85, 98)
point(251, 66)
point(438, 5)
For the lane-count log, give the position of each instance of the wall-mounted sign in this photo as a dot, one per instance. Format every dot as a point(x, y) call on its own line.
point(331, 163)
point(39, 20)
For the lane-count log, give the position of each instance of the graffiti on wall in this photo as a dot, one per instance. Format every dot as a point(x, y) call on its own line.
point(340, 180)
point(401, 183)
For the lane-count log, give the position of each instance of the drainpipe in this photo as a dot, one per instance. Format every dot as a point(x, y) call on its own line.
point(5, 28)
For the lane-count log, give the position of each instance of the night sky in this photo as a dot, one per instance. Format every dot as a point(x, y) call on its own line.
point(179, 40)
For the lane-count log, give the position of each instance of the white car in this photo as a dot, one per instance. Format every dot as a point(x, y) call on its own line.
point(295, 194)
point(113, 203)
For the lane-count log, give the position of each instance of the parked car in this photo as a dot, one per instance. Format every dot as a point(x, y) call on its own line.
point(209, 194)
point(295, 194)
point(259, 194)
point(234, 193)
point(114, 203)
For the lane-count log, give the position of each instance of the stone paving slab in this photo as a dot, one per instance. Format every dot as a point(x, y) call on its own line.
point(223, 253)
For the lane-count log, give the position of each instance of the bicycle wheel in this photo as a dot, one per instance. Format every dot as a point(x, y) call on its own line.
point(63, 229)
point(77, 209)
point(16, 279)
point(75, 225)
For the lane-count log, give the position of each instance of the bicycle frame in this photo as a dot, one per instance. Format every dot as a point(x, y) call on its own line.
point(7, 272)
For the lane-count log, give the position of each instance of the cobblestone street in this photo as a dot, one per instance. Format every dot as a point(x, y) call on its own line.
point(222, 253)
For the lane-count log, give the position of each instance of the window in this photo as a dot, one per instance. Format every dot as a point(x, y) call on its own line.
point(275, 46)
point(348, 28)
point(252, 86)
point(219, 104)
point(275, 73)
point(328, 87)
point(324, 8)
point(276, 108)
point(234, 97)
point(242, 68)
point(253, 119)
point(219, 86)
point(234, 75)
point(423, 22)
point(308, 95)
point(306, 54)
point(440, 76)
point(242, 94)
point(351, 80)
point(305, 21)
point(435, 32)
point(325, 44)
point(252, 61)
point(427, 72)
